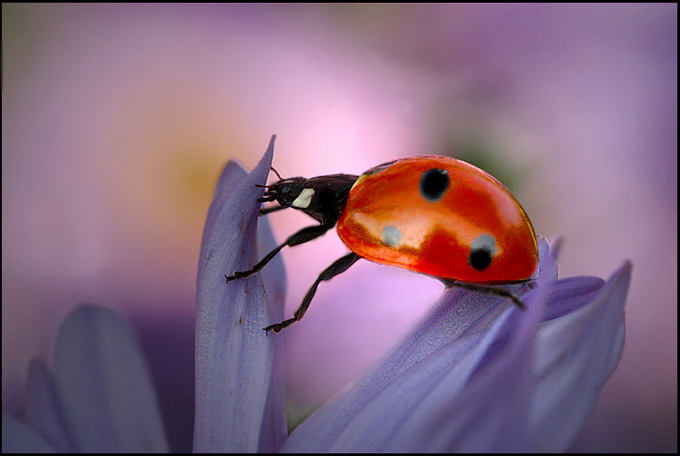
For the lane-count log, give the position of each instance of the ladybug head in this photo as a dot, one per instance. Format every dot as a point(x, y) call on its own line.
point(322, 198)
point(284, 192)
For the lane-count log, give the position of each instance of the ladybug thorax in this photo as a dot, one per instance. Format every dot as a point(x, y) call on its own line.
point(322, 198)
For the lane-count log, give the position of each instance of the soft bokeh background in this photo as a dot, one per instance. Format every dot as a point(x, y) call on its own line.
point(116, 120)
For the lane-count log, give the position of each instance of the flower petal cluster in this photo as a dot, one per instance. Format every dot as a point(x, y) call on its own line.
point(477, 374)
point(98, 397)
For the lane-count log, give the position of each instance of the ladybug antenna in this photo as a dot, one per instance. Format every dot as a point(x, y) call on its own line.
point(277, 173)
point(269, 186)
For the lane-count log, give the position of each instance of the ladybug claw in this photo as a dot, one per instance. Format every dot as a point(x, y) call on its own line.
point(276, 328)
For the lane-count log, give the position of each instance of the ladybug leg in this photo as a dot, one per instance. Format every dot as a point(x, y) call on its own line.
point(270, 209)
point(336, 268)
point(302, 236)
point(491, 290)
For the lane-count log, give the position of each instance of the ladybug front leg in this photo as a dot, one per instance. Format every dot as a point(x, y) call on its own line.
point(302, 236)
point(270, 209)
point(336, 268)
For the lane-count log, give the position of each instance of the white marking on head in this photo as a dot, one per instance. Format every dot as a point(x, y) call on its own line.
point(391, 235)
point(304, 198)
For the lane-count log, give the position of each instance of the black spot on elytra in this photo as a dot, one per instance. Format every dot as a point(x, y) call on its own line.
point(480, 258)
point(433, 184)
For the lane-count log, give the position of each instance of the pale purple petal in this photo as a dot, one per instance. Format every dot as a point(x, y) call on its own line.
point(107, 399)
point(576, 354)
point(239, 370)
point(411, 400)
point(466, 380)
point(41, 408)
point(274, 428)
point(18, 437)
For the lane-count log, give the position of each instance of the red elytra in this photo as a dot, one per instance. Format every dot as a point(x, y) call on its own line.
point(433, 215)
point(388, 220)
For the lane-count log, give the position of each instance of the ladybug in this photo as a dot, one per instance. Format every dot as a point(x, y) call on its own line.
point(432, 214)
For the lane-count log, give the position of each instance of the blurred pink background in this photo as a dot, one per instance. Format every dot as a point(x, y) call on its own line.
point(117, 119)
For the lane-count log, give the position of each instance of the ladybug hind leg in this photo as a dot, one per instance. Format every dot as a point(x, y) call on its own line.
point(336, 268)
point(488, 289)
